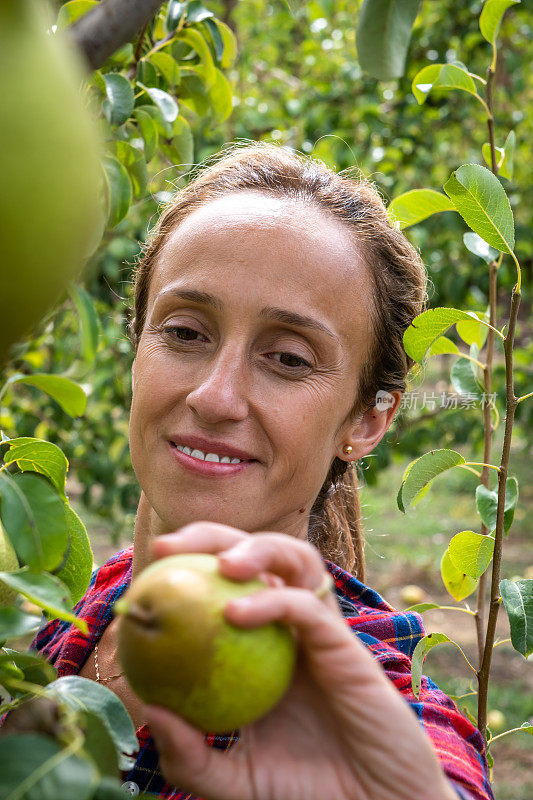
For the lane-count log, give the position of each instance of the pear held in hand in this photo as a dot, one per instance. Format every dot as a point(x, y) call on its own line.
point(178, 651)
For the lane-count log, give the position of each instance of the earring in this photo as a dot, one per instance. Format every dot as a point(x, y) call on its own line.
point(347, 449)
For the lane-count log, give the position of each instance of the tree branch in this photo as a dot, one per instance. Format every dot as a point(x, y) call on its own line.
point(112, 23)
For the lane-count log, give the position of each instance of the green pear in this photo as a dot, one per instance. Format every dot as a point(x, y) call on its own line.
point(49, 167)
point(8, 563)
point(178, 651)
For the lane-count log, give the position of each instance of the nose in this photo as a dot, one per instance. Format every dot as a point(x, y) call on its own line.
point(221, 391)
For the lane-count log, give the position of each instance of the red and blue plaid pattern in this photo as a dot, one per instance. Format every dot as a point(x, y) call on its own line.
point(391, 636)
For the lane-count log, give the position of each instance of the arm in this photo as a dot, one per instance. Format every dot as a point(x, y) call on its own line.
point(342, 731)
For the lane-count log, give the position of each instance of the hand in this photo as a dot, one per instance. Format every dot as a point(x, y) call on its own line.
point(341, 732)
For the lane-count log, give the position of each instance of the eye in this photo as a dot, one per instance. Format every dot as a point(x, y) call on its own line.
point(183, 333)
point(293, 361)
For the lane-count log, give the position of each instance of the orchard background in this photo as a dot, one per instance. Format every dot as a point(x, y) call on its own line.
point(198, 75)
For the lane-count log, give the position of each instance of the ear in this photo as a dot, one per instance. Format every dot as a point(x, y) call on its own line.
point(370, 427)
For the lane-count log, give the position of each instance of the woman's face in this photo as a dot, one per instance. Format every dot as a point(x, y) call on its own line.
point(257, 325)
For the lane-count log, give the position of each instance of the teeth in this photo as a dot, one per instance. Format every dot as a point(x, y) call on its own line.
point(199, 454)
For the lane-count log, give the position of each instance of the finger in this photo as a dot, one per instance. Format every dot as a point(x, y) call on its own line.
point(297, 562)
point(321, 630)
point(198, 537)
point(187, 762)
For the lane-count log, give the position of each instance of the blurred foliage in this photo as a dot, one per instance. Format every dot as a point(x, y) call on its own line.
point(294, 80)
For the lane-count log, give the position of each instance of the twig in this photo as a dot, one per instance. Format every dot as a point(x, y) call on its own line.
point(487, 448)
point(132, 71)
point(484, 670)
point(109, 25)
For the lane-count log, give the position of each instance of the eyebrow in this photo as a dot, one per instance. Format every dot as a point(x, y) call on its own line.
point(270, 312)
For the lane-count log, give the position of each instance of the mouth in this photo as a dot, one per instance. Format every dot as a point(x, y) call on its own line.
point(209, 463)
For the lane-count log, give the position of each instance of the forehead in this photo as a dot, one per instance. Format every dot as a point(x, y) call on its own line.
point(251, 247)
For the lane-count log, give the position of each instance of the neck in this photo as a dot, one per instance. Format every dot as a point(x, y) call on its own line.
point(148, 526)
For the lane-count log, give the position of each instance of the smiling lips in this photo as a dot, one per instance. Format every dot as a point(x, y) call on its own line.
point(208, 456)
point(206, 462)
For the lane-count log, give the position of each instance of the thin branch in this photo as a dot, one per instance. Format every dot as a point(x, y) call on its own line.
point(132, 71)
point(490, 117)
point(484, 670)
point(487, 448)
point(109, 25)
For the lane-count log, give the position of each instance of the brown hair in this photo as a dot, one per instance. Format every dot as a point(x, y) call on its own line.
point(399, 292)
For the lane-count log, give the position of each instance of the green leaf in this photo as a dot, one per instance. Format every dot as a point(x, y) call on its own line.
point(69, 395)
point(424, 470)
point(487, 505)
point(174, 13)
point(220, 99)
point(473, 332)
point(15, 623)
point(464, 380)
point(504, 156)
point(164, 102)
point(181, 149)
point(76, 571)
point(47, 592)
point(507, 166)
point(419, 608)
point(168, 67)
point(120, 100)
point(471, 553)
point(120, 191)
point(383, 36)
point(146, 72)
point(148, 130)
point(211, 26)
point(135, 163)
point(70, 12)
point(228, 39)
point(193, 95)
point(457, 583)
point(517, 598)
point(420, 652)
point(479, 247)
point(36, 455)
point(89, 322)
point(480, 199)
point(35, 767)
point(441, 76)
point(31, 667)
point(196, 12)
point(491, 18)
point(86, 695)
point(33, 514)
point(206, 68)
point(418, 204)
point(98, 744)
point(429, 326)
point(443, 346)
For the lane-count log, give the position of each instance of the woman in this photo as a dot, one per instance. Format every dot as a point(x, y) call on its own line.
point(270, 306)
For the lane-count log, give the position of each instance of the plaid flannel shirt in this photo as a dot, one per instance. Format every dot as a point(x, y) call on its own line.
point(391, 636)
